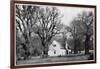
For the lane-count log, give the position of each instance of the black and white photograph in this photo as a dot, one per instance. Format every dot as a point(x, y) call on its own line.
point(46, 34)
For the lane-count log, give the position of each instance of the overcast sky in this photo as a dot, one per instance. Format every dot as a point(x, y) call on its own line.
point(71, 12)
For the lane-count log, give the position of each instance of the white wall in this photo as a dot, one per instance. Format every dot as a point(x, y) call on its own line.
point(5, 35)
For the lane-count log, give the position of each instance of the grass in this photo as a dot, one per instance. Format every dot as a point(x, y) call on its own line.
point(35, 60)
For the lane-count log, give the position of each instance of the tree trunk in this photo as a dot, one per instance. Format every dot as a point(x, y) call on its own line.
point(27, 43)
point(75, 51)
point(87, 44)
point(75, 46)
point(45, 51)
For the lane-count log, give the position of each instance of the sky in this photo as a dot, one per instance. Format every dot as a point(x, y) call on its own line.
point(69, 13)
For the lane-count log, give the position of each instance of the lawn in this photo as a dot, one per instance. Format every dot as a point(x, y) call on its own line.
point(66, 58)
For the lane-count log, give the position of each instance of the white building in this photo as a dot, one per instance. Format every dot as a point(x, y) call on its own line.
point(55, 49)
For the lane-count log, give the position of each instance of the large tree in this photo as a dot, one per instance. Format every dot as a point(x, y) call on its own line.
point(87, 20)
point(49, 25)
point(76, 32)
point(26, 18)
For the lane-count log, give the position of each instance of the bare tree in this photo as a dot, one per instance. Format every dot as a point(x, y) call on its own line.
point(87, 20)
point(75, 30)
point(26, 17)
point(49, 25)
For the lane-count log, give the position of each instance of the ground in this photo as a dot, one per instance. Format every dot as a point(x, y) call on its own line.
point(35, 60)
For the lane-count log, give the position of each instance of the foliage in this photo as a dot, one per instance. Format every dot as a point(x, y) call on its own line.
point(82, 31)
